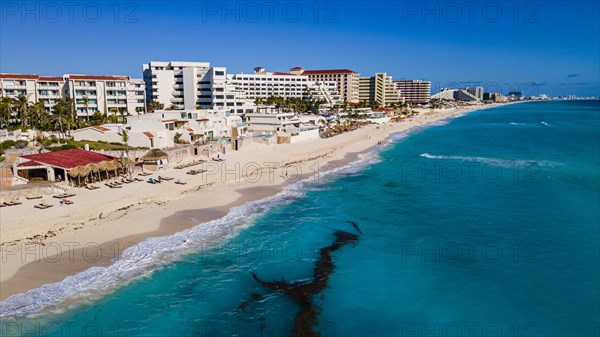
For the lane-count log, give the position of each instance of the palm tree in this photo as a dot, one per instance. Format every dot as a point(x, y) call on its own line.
point(22, 107)
point(6, 110)
point(62, 110)
point(37, 114)
point(123, 114)
point(125, 138)
point(154, 105)
point(86, 101)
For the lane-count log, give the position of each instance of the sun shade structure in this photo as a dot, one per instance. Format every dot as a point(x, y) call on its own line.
point(67, 159)
point(155, 154)
point(59, 165)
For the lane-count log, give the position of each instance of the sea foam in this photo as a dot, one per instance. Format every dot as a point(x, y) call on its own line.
point(499, 162)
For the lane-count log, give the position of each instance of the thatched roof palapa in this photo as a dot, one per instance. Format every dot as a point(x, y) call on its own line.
point(155, 154)
point(76, 171)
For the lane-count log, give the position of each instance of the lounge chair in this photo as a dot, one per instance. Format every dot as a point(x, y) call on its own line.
point(33, 197)
point(43, 205)
point(92, 187)
point(67, 202)
point(179, 182)
point(167, 178)
point(12, 203)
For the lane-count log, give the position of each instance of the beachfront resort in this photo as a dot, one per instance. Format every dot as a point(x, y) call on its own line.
point(192, 110)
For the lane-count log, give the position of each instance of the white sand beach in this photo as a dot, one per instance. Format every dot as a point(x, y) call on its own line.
point(40, 246)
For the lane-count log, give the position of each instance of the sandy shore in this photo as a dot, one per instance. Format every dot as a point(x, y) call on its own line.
point(44, 246)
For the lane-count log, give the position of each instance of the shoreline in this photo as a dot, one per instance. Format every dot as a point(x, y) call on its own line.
point(180, 210)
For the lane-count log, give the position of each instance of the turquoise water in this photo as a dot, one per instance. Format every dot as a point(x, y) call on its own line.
point(485, 226)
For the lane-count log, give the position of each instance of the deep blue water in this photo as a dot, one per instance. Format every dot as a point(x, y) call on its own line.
point(485, 226)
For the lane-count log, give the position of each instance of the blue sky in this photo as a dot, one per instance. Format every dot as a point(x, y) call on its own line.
point(537, 46)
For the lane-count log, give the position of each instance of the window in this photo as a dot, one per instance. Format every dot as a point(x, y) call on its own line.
point(219, 73)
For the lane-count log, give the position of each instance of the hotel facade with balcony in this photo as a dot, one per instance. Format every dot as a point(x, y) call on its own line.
point(109, 95)
point(262, 85)
point(197, 85)
point(379, 89)
point(414, 91)
point(193, 85)
point(347, 81)
point(105, 94)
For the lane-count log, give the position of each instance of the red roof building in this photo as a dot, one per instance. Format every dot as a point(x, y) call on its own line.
point(98, 78)
point(66, 159)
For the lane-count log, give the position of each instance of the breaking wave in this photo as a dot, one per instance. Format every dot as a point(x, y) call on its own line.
point(499, 162)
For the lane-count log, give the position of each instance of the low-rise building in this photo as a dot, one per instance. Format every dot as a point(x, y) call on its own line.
point(463, 94)
point(165, 128)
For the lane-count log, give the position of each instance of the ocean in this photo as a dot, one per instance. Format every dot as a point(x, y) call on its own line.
point(483, 225)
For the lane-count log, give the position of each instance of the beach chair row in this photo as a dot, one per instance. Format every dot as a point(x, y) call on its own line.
point(194, 163)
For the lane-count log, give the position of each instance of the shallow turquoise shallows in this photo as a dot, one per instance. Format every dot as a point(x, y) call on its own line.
point(484, 225)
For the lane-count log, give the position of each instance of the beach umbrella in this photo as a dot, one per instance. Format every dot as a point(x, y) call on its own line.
point(91, 168)
point(106, 166)
point(76, 172)
point(155, 155)
point(126, 162)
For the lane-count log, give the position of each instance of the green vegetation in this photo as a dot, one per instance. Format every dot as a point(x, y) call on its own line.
point(154, 105)
point(177, 139)
point(7, 144)
point(54, 144)
point(293, 104)
point(19, 113)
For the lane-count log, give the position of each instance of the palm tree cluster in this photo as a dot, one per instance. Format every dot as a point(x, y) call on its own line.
point(291, 104)
point(18, 112)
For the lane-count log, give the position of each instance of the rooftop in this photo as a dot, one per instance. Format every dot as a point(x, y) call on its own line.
point(68, 158)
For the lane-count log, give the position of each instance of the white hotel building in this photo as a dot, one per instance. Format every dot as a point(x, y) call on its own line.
point(193, 85)
point(106, 94)
point(109, 95)
point(197, 85)
point(262, 84)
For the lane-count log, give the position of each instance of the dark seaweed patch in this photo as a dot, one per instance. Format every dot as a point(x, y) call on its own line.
point(355, 225)
point(302, 293)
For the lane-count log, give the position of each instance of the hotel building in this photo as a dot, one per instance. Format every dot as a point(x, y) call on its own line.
point(347, 81)
point(197, 85)
point(193, 85)
point(264, 84)
point(106, 94)
point(379, 89)
point(36, 88)
point(463, 94)
point(414, 91)
point(109, 95)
